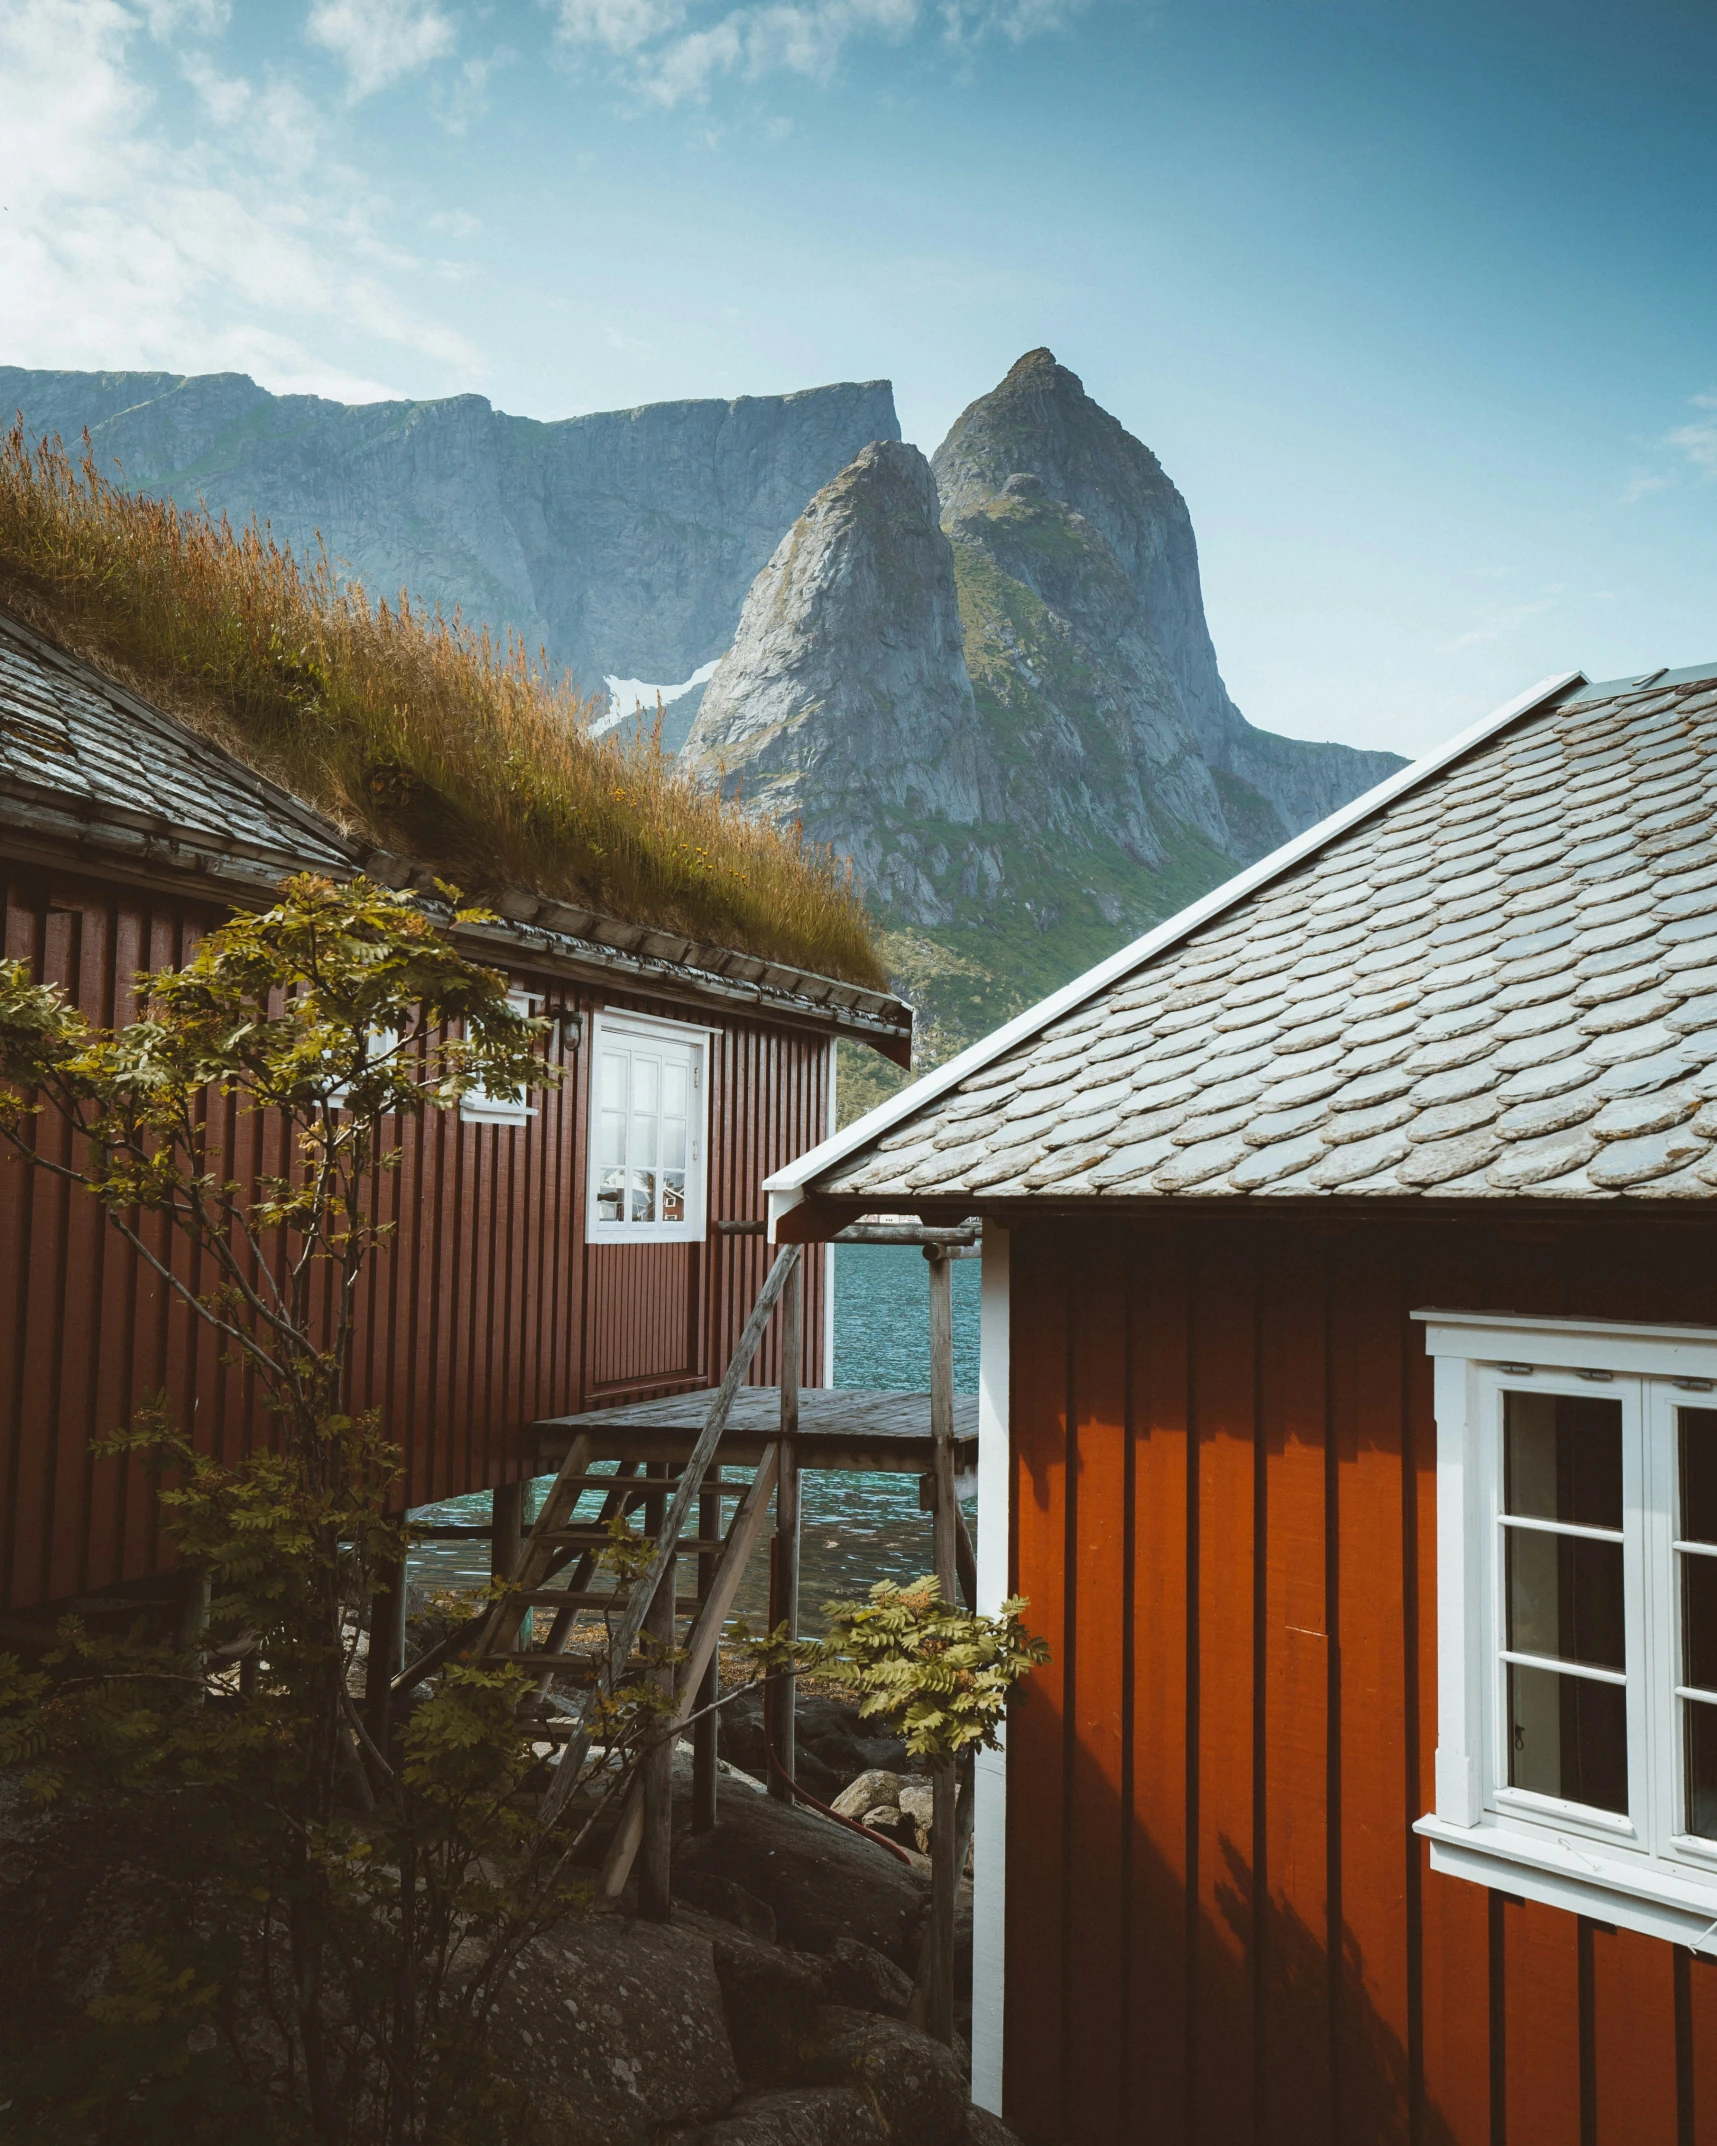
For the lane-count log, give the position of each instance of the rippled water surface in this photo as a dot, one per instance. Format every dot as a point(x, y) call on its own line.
point(856, 1528)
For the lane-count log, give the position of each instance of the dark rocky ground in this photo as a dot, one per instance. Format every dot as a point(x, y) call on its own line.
point(768, 2010)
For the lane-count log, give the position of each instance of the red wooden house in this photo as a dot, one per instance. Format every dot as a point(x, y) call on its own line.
point(1350, 1390)
point(539, 1268)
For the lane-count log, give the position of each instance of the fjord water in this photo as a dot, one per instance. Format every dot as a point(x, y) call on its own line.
point(856, 1528)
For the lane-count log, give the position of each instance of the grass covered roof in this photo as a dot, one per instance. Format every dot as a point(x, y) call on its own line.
point(430, 736)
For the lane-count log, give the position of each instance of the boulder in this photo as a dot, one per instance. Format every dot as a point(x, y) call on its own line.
point(864, 1979)
point(802, 2116)
point(917, 1806)
point(623, 2029)
point(983, 2129)
point(833, 1743)
point(771, 2000)
point(915, 2084)
point(872, 1789)
point(821, 1880)
point(719, 1896)
point(843, 1739)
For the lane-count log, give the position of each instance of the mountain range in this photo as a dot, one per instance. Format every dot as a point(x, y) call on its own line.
point(986, 677)
point(622, 543)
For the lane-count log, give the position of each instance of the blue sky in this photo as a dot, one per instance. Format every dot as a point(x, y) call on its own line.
point(1417, 302)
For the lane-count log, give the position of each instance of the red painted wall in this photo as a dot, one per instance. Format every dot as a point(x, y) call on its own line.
point(1220, 1927)
point(488, 1312)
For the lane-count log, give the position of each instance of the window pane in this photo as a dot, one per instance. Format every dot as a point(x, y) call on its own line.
point(1699, 1622)
point(614, 1080)
point(643, 1195)
point(673, 1195)
point(609, 1189)
point(1565, 1597)
point(1701, 1768)
point(1563, 1458)
point(1698, 1474)
point(1568, 1736)
point(646, 1083)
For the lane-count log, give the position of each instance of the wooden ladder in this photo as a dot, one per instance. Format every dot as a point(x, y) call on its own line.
point(649, 1603)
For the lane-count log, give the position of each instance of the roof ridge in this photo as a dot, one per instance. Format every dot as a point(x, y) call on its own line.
point(786, 1188)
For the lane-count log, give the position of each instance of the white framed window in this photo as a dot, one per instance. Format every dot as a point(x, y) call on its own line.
point(383, 1044)
point(648, 1118)
point(481, 1108)
point(1577, 1616)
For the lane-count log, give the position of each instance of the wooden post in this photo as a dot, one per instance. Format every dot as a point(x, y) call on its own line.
point(507, 1530)
point(706, 1729)
point(785, 1608)
point(387, 1649)
point(947, 1512)
point(655, 1878)
point(194, 1594)
point(507, 1540)
point(936, 1982)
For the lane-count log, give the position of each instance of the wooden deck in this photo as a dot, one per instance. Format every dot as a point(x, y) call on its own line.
point(839, 1427)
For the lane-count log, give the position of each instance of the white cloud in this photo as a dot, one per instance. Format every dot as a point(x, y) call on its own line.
point(236, 245)
point(1499, 624)
point(967, 20)
point(1698, 441)
point(1693, 446)
point(378, 41)
point(619, 25)
point(674, 51)
point(225, 98)
point(171, 18)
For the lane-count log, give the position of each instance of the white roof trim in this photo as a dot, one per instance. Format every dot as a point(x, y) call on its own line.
point(786, 1188)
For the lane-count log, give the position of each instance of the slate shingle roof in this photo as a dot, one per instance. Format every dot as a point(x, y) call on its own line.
point(1502, 984)
point(77, 747)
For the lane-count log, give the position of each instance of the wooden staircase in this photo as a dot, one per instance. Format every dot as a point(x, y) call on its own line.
point(559, 1567)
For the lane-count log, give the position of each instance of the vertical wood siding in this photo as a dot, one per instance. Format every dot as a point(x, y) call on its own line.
point(489, 1310)
point(1221, 1928)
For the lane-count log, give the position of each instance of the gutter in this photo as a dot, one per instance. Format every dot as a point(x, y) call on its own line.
point(147, 851)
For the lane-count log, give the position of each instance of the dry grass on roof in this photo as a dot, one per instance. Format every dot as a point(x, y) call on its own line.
point(429, 736)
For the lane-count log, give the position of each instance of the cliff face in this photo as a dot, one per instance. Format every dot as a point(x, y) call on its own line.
point(624, 542)
point(845, 701)
point(1063, 501)
point(1025, 793)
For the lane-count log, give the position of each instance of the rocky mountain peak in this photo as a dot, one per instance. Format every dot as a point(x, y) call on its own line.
point(1040, 422)
point(844, 701)
point(997, 694)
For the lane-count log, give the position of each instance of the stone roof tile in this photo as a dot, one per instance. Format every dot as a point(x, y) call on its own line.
point(1502, 984)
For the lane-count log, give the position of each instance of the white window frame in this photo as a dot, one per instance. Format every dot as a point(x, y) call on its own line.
point(480, 1108)
point(694, 1039)
point(1642, 1871)
point(389, 1040)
